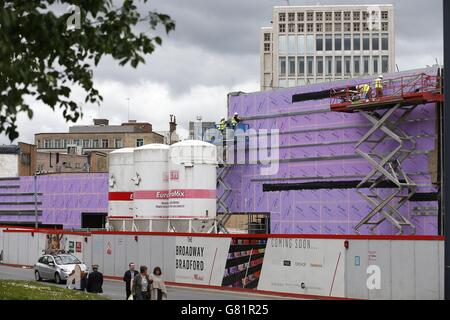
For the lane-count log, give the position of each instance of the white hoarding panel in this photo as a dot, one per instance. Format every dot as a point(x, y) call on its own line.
point(304, 266)
point(200, 260)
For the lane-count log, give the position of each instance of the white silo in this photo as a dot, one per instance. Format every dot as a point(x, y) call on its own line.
point(192, 186)
point(121, 188)
point(151, 203)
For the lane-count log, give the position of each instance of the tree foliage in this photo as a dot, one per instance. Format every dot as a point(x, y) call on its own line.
point(40, 57)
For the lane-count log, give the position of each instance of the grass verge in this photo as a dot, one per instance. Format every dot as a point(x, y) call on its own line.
point(32, 290)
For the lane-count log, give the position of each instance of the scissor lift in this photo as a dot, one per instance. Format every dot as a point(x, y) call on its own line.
point(386, 113)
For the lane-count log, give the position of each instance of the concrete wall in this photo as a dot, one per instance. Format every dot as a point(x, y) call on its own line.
point(9, 165)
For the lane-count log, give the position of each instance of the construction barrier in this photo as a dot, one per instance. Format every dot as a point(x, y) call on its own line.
point(364, 267)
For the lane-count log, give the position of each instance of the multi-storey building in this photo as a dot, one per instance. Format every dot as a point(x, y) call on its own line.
point(311, 44)
point(100, 137)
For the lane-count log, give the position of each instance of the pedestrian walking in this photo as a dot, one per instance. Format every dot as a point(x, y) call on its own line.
point(95, 281)
point(128, 278)
point(141, 285)
point(158, 287)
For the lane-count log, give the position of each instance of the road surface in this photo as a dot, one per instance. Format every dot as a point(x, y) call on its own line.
point(116, 289)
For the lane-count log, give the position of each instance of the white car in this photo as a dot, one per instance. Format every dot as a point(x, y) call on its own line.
point(56, 267)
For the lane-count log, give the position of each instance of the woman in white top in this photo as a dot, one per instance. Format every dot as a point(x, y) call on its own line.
point(158, 288)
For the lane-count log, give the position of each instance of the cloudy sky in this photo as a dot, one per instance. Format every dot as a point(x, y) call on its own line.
point(215, 50)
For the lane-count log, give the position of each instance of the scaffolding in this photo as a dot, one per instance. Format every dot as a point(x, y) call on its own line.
point(386, 111)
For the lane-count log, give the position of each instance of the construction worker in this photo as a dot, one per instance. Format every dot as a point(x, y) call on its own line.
point(235, 120)
point(379, 86)
point(366, 90)
point(222, 125)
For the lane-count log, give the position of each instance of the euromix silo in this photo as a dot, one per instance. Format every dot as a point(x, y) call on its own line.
point(121, 188)
point(192, 186)
point(151, 202)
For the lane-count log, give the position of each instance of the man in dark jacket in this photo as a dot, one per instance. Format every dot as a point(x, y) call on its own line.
point(141, 285)
point(128, 278)
point(95, 281)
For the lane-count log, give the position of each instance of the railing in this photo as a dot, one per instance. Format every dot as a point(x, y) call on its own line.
point(392, 88)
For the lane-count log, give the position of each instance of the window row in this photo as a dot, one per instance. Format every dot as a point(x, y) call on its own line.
point(85, 143)
point(328, 27)
point(309, 66)
point(328, 16)
point(309, 44)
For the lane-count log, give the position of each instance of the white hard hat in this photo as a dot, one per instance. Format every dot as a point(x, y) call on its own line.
point(235, 113)
point(380, 76)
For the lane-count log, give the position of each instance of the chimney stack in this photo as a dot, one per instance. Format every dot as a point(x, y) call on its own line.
point(172, 124)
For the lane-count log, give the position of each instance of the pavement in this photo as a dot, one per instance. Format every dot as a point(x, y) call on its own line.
point(116, 289)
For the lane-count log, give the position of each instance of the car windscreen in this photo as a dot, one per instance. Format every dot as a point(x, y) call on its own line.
point(66, 260)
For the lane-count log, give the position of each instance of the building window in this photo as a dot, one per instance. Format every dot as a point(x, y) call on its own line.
point(64, 142)
point(338, 42)
point(282, 17)
point(375, 65)
point(310, 27)
point(385, 42)
point(310, 66)
point(282, 28)
point(328, 66)
point(366, 65)
point(310, 16)
point(338, 27)
point(338, 66)
point(356, 66)
point(356, 27)
point(328, 42)
point(356, 15)
point(356, 42)
point(319, 43)
point(375, 42)
point(301, 66)
point(384, 15)
point(385, 26)
point(365, 15)
point(384, 64)
point(319, 27)
point(86, 143)
point(365, 26)
point(266, 47)
point(348, 65)
point(301, 27)
point(301, 16)
point(347, 42)
point(282, 66)
point(347, 27)
point(118, 143)
point(292, 46)
point(95, 143)
point(319, 65)
point(58, 144)
point(291, 27)
point(139, 142)
point(328, 16)
point(46, 144)
point(338, 16)
point(328, 27)
point(300, 44)
point(291, 16)
point(77, 142)
point(266, 36)
point(105, 143)
point(309, 44)
point(282, 44)
point(366, 42)
point(347, 16)
point(319, 16)
point(291, 65)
